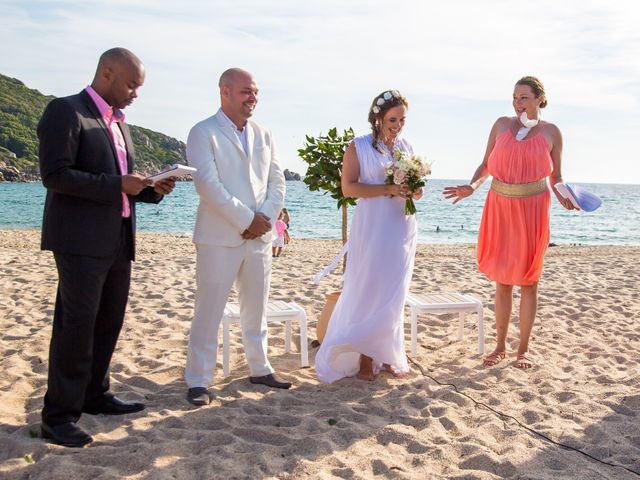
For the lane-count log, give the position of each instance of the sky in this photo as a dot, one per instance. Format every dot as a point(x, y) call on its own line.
point(319, 65)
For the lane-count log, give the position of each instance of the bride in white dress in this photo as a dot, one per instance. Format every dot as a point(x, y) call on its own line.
point(366, 330)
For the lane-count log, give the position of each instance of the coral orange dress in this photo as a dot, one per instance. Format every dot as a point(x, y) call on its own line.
point(514, 232)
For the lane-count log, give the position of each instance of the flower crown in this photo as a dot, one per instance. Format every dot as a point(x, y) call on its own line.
point(382, 99)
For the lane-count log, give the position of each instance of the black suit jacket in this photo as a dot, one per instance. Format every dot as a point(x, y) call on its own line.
point(79, 168)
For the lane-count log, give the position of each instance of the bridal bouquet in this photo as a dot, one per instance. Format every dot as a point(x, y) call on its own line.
point(411, 170)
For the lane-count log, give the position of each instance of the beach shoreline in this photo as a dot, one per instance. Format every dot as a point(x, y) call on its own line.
point(584, 390)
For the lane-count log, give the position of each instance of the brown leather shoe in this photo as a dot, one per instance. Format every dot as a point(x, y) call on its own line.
point(270, 380)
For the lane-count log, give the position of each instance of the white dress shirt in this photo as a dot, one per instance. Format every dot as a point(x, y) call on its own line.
point(240, 133)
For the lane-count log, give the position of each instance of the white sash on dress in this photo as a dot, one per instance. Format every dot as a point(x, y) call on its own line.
point(319, 276)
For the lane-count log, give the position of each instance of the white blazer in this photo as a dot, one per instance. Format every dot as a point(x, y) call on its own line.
point(231, 184)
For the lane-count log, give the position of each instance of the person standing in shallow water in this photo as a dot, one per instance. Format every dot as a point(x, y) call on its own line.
point(521, 153)
point(365, 334)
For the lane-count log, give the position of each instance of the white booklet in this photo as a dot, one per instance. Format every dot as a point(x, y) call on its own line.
point(566, 193)
point(175, 170)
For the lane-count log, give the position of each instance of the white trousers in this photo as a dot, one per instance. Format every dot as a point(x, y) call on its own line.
point(249, 265)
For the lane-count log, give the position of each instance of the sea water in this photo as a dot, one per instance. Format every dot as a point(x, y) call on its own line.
point(315, 215)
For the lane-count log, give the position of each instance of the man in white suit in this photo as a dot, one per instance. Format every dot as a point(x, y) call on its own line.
point(241, 189)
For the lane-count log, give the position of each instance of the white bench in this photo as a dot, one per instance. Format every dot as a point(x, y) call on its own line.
point(276, 311)
point(444, 303)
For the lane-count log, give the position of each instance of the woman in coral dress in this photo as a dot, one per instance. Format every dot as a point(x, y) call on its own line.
point(366, 330)
point(521, 153)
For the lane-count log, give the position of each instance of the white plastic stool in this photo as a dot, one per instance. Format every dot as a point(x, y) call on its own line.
point(276, 311)
point(444, 303)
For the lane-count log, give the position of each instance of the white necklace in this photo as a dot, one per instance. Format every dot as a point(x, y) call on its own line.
point(528, 125)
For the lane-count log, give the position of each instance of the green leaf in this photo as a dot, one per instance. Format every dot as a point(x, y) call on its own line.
point(323, 155)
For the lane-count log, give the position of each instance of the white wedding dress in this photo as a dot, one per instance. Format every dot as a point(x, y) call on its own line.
point(369, 315)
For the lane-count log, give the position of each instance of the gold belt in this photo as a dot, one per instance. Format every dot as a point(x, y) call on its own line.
point(519, 190)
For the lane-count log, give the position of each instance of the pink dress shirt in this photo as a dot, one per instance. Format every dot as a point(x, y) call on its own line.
point(111, 118)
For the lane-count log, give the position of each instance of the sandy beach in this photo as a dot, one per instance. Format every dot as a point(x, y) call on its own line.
point(584, 390)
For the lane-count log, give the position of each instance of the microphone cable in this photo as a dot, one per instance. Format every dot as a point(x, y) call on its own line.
point(505, 415)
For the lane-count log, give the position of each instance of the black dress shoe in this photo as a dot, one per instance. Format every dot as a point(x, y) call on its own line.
point(66, 434)
point(112, 405)
point(198, 396)
point(270, 380)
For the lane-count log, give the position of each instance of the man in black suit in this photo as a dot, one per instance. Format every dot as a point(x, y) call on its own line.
point(86, 164)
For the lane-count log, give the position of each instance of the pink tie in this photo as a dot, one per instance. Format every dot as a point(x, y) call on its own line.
point(121, 150)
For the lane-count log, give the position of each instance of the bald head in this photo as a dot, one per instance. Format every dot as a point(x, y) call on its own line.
point(119, 75)
point(118, 56)
point(238, 95)
point(232, 76)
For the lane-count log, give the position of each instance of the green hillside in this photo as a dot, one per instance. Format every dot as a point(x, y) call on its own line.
point(20, 111)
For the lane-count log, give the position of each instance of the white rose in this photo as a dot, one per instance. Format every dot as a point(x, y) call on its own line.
point(375, 109)
point(399, 176)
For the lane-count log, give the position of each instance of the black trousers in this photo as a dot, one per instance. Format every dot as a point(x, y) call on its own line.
point(90, 305)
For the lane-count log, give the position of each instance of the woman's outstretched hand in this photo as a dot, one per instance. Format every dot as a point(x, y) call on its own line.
point(457, 193)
